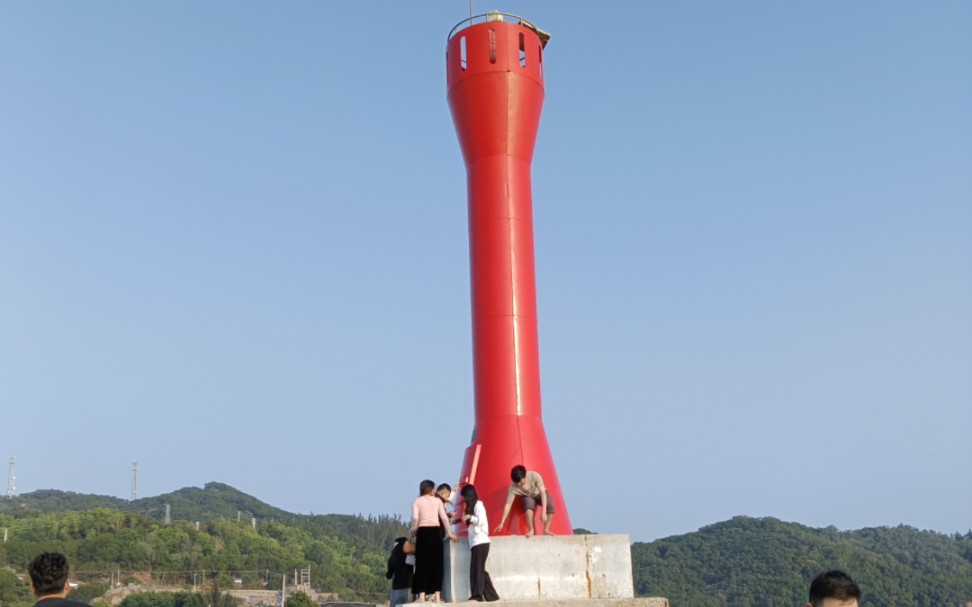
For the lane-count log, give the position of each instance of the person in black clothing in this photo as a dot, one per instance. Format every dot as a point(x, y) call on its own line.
point(399, 571)
point(49, 581)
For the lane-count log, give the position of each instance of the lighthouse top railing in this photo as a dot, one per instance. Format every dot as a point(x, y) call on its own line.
point(498, 16)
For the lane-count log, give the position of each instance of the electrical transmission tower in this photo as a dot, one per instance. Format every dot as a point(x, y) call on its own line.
point(11, 478)
point(134, 480)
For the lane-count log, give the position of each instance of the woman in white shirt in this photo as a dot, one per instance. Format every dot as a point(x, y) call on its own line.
point(474, 515)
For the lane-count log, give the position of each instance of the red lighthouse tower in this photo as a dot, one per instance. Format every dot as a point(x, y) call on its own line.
point(494, 67)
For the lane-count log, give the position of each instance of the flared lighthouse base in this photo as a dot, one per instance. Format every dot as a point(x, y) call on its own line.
point(500, 443)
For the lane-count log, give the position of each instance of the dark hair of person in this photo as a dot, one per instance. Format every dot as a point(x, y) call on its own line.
point(426, 487)
point(833, 585)
point(518, 473)
point(48, 573)
point(469, 497)
point(443, 486)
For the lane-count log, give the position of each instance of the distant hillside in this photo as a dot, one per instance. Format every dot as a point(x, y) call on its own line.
point(52, 500)
point(741, 562)
point(215, 500)
point(210, 541)
point(766, 562)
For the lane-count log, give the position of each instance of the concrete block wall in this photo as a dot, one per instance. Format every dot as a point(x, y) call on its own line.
point(545, 568)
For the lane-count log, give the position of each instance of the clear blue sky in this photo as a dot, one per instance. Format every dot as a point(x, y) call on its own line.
point(233, 248)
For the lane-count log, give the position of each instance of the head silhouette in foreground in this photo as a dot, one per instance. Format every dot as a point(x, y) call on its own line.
point(49, 580)
point(834, 589)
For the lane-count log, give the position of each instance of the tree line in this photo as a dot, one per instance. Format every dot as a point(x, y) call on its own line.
point(743, 562)
point(764, 562)
point(110, 547)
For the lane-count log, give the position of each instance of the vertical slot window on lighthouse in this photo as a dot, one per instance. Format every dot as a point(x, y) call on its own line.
point(492, 46)
point(522, 51)
point(462, 53)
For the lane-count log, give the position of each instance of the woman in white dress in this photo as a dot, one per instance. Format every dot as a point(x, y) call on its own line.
point(474, 515)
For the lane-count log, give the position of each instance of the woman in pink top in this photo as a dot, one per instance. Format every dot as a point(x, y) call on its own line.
point(427, 514)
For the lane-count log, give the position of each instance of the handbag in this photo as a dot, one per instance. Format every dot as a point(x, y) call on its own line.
point(409, 546)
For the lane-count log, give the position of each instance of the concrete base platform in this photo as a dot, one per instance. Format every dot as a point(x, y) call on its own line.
point(642, 602)
point(558, 571)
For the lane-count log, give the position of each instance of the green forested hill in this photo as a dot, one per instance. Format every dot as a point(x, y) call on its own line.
point(741, 562)
point(52, 500)
point(215, 500)
point(766, 562)
point(210, 538)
